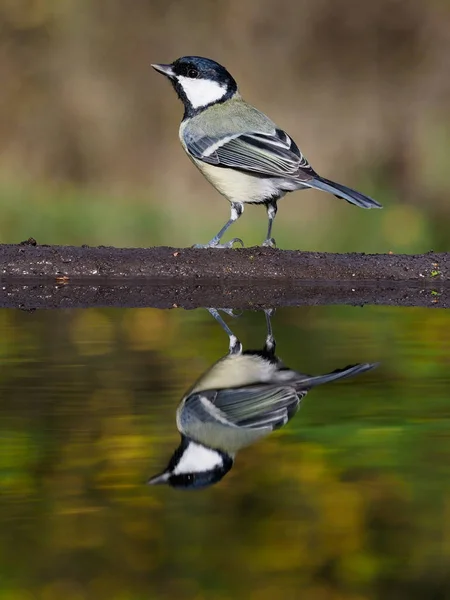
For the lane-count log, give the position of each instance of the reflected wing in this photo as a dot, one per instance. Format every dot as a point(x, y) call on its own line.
point(273, 154)
point(253, 407)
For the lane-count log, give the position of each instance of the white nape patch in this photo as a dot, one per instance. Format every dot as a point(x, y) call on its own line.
point(201, 92)
point(197, 458)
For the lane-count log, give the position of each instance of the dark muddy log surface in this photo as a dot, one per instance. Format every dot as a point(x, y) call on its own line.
point(70, 277)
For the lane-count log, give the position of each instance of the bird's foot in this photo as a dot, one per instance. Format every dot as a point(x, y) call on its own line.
point(215, 243)
point(269, 243)
point(229, 312)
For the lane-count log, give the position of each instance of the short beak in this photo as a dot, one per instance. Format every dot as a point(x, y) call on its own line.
point(166, 70)
point(162, 478)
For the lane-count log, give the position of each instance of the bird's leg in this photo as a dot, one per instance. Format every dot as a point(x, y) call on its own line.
point(235, 344)
point(270, 340)
point(237, 208)
point(271, 212)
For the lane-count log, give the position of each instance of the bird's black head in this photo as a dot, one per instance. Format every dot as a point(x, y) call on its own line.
point(199, 82)
point(191, 481)
point(194, 466)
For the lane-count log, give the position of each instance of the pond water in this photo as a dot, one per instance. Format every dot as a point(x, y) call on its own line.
point(349, 500)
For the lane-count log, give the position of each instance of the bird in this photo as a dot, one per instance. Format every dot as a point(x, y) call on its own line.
point(242, 398)
point(239, 150)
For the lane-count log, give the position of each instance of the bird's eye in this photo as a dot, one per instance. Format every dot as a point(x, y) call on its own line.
point(192, 73)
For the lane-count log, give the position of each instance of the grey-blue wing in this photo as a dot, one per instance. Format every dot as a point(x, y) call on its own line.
point(251, 407)
point(271, 154)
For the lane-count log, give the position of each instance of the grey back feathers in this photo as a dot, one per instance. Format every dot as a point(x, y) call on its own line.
point(239, 414)
point(238, 136)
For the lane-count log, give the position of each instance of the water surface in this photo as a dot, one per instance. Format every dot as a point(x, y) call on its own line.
point(350, 500)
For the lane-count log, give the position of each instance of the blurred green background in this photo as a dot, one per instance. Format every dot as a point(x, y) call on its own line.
point(349, 501)
point(88, 132)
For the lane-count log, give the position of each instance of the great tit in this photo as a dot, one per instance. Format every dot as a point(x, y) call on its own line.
point(243, 397)
point(239, 150)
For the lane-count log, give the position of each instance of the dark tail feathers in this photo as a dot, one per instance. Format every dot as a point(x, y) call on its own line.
point(311, 381)
point(342, 191)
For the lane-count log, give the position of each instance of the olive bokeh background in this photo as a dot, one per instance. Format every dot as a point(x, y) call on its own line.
point(88, 132)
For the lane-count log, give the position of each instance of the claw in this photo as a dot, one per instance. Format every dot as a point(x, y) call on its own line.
point(269, 243)
point(214, 244)
point(229, 312)
point(233, 241)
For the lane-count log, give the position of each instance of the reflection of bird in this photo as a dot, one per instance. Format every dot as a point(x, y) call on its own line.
point(240, 399)
point(238, 149)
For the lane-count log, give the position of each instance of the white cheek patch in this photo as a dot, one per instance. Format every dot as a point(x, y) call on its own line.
point(197, 458)
point(201, 92)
